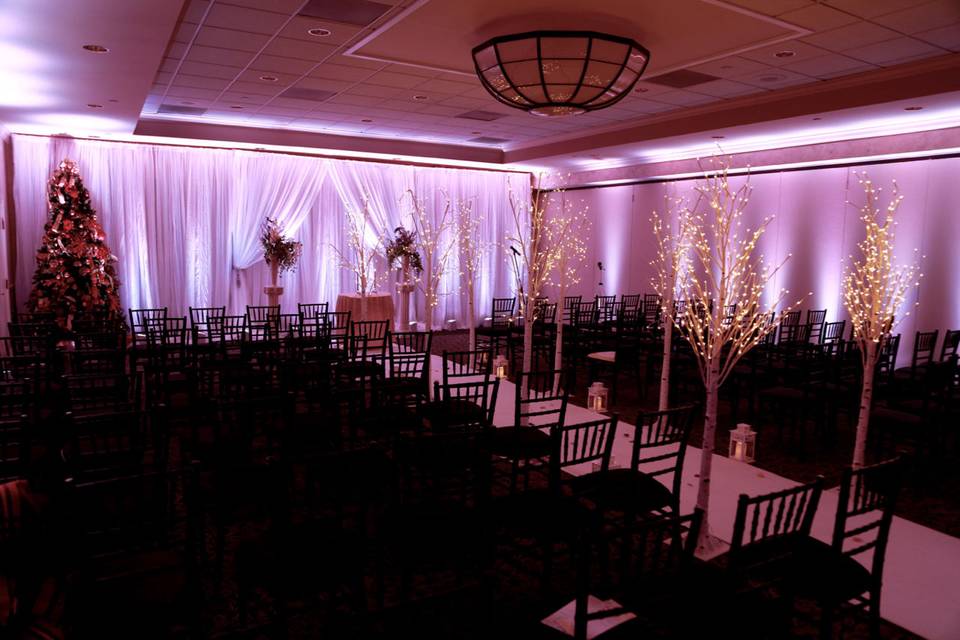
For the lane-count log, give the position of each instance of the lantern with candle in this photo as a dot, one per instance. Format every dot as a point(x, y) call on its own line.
point(500, 367)
point(743, 443)
point(597, 396)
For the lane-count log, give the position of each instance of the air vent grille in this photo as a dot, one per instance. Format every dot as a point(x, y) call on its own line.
point(358, 12)
point(301, 93)
point(181, 110)
point(479, 114)
point(682, 79)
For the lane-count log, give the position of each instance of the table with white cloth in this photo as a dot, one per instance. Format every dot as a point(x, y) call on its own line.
point(379, 306)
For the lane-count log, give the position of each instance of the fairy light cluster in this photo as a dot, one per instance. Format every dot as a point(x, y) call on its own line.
point(360, 258)
point(436, 246)
point(471, 249)
point(529, 238)
point(874, 287)
point(567, 232)
point(724, 282)
point(672, 260)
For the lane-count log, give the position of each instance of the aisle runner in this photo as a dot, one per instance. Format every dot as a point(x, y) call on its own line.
point(921, 590)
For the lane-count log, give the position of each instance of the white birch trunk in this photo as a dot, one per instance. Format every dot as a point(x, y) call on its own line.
point(403, 323)
point(471, 315)
point(866, 397)
point(665, 366)
point(363, 305)
point(527, 343)
point(706, 452)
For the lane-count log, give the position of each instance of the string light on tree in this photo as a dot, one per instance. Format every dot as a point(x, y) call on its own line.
point(361, 255)
point(724, 317)
point(471, 254)
point(436, 245)
point(874, 289)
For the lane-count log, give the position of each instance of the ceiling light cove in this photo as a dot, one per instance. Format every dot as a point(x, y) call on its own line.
point(95, 48)
point(558, 73)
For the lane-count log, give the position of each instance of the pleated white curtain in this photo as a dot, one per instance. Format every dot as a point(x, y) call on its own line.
point(185, 222)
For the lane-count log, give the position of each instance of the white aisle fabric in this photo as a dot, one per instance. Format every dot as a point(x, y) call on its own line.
point(185, 222)
point(920, 588)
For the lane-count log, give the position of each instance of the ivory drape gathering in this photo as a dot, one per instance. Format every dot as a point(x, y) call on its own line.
point(185, 222)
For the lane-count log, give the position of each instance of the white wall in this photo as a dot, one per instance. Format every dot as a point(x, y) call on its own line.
point(813, 222)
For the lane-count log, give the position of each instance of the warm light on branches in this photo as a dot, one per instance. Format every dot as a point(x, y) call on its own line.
point(874, 287)
point(529, 239)
point(360, 258)
point(436, 245)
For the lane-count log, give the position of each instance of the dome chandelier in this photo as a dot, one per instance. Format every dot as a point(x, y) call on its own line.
point(556, 73)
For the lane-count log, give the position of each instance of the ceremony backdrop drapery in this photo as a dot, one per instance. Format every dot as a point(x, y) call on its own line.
point(185, 222)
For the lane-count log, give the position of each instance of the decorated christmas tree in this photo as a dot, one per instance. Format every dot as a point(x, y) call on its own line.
point(75, 269)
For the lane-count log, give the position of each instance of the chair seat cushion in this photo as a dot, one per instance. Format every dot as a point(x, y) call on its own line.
point(452, 413)
point(816, 559)
point(520, 442)
point(623, 489)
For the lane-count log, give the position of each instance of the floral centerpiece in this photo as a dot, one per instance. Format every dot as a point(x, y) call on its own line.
point(282, 254)
point(402, 249)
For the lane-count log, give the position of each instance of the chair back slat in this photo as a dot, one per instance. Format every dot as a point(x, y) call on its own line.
point(776, 516)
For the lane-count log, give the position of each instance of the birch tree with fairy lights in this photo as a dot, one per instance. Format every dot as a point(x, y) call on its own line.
point(436, 247)
point(360, 257)
point(724, 316)
point(471, 253)
point(671, 263)
point(528, 240)
point(874, 289)
point(567, 233)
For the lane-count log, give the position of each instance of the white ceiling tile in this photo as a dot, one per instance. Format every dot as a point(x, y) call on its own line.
point(377, 91)
point(946, 37)
point(359, 101)
point(894, 51)
point(776, 79)
point(282, 65)
point(215, 55)
point(829, 66)
point(176, 50)
point(445, 86)
point(211, 70)
point(340, 72)
point(300, 25)
point(272, 109)
point(169, 65)
point(293, 102)
point(184, 32)
point(931, 15)
point(847, 72)
point(290, 48)
point(684, 98)
point(768, 54)
point(185, 80)
point(771, 7)
point(398, 80)
point(280, 6)
point(730, 66)
point(231, 39)
point(192, 92)
point(252, 76)
point(647, 89)
point(194, 10)
point(258, 88)
point(818, 17)
point(859, 34)
point(360, 63)
point(232, 97)
point(162, 78)
point(724, 88)
point(413, 70)
point(262, 119)
point(244, 19)
point(870, 8)
point(449, 111)
point(323, 84)
point(467, 103)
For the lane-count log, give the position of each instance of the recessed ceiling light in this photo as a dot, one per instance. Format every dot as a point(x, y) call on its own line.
point(113, 100)
point(235, 106)
point(186, 102)
point(93, 105)
point(786, 53)
point(95, 48)
point(912, 108)
point(772, 78)
point(320, 32)
point(718, 137)
point(476, 133)
point(366, 120)
point(269, 78)
point(419, 97)
point(818, 118)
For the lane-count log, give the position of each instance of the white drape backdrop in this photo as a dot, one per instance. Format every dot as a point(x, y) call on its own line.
point(185, 222)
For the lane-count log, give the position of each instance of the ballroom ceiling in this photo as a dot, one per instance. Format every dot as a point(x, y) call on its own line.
point(396, 75)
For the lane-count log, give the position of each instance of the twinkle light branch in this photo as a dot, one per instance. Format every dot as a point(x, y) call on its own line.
point(436, 244)
point(360, 258)
point(471, 254)
point(724, 317)
point(874, 287)
point(529, 237)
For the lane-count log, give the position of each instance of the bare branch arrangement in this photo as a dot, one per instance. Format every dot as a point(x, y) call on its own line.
point(471, 253)
point(724, 316)
point(874, 289)
point(436, 245)
point(361, 254)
